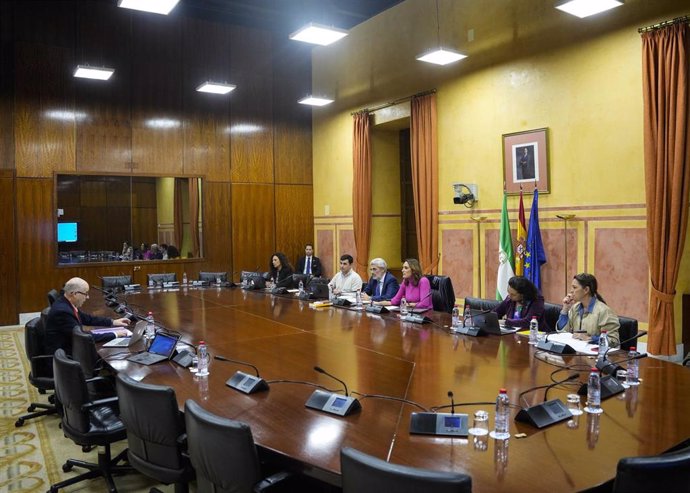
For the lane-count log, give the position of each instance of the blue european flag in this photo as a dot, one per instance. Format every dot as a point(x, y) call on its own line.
point(535, 256)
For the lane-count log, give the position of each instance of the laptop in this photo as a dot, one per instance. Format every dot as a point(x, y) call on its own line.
point(489, 322)
point(130, 341)
point(162, 348)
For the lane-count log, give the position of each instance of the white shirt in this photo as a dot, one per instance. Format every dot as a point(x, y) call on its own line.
point(346, 284)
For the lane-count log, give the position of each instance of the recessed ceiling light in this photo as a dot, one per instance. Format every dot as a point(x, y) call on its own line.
point(88, 72)
point(156, 6)
point(318, 34)
point(216, 87)
point(315, 101)
point(441, 56)
point(585, 8)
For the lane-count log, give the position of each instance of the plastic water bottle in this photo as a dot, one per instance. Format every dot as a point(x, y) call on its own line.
point(455, 318)
point(358, 300)
point(502, 419)
point(184, 278)
point(594, 393)
point(202, 354)
point(533, 331)
point(301, 287)
point(150, 331)
point(403, 306)
point(467, 317)
point(150, 283)
point(603, 345)
point(331, 295)
point(633, 375)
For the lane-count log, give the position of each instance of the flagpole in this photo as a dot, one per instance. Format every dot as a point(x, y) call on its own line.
point(479, 220)
point(565, 218)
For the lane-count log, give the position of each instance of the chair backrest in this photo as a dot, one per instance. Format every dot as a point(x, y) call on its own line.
point(71, 391)
point(53, 294)
point(115, 281)
point(211, 276)
point(481, 303)
point(161, 278)
point(222, 451)
point(628, 329)
point(84, 351)
point(33, 338)
point(154, 425)
point(442, 293)
point(669, 473)
point(551, 313)
point(362, 473)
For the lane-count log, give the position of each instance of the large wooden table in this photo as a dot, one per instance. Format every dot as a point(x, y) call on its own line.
point(381, 355)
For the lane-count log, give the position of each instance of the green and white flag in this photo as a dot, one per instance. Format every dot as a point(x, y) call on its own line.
point(505, 254)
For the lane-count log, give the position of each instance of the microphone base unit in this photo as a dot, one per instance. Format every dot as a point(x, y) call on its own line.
point(439, 424)
point(415, 319)
point(342, 302)
point(610, 386)
point(378, 309)
point(468, 331)
point(544, 414)
point(171, 284)
point(555, 347)
point(132, 287)
point(184, 359)
point(607, 368)
point(329, 402)
point(246, 383)
point(200, 284)
point(305, 295)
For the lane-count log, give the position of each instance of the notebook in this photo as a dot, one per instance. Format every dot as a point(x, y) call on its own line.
point(489, 322)
point(162, 348)
point(136, 336)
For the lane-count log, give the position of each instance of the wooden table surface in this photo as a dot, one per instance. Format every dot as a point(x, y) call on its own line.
point(381, 355)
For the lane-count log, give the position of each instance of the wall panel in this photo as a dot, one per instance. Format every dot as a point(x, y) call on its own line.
point(218, 226)
point(253, 226)
point(294, 219)
point(8, 251)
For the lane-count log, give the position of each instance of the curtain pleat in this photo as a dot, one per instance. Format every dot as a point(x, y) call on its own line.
point(178, 216)
point(361, 190)
point(194, 215)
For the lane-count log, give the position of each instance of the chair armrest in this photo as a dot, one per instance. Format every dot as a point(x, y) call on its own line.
point(42, 356)
point(271, 481)
point(95, 379)
point(99, 402)
point(182, 441)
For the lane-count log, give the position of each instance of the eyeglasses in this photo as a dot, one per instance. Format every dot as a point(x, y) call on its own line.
point(80, 292)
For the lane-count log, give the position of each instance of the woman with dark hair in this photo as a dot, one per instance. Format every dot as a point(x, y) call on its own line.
point(280, 269)
point(585, 313)
point(523, 302)
point(415, 288)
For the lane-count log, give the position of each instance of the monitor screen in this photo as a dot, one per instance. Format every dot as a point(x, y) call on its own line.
point(67, 232)
point(163, 344)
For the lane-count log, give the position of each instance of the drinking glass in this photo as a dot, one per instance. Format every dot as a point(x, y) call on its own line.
point(574, 404)
point(480, 426)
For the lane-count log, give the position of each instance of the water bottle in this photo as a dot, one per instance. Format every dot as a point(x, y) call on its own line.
point(603, 345)
point(467, 317)
point(150, 283)
point(301, 287)
point(502, 419)
point(403, 306)
point(331, 295)
point(633, 375)
point(184, 278)
point(533, 331)
point(358, 300)
point(594, 393)
point(455, 318)
point(202, 354)
point(150, 331)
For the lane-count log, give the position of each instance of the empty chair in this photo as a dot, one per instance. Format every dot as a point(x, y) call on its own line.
point(362, 473)
point(155, 430)
point(628, 330)
point(669, 473)
point(442, 293)
point(213, 276)
point(161, 278)
point(53, 294)
point(115, 281)
point(87, 423)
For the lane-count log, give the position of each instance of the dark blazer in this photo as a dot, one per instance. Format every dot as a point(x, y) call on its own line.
point(61, 321)
point(282, 277)
point(390, 288)
point(529, 310)
point(315, 266)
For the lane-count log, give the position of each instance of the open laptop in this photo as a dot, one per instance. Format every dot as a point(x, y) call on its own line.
point(489, 322)
point(162, 348)
point(130, 341)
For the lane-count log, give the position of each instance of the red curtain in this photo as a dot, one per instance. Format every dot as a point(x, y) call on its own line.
point(178, 215)
point(667, 172)
point(361, 190)
point(194, 215)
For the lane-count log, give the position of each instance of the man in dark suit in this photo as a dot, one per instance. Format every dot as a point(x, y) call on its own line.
point(309, 264)
point(65, 314)
point(383, 285)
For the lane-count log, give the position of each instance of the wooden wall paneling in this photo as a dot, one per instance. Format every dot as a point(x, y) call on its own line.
point(102, 108)
point(157, 136)
point(207, 116)
point(6, 89)
point(251, 110)
point(45, 22)
point(218, 227)
point(8, 251)
point(253, 226)
point(294, 219)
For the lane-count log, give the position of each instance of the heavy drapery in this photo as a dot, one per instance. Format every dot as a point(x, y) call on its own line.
point(361, 190)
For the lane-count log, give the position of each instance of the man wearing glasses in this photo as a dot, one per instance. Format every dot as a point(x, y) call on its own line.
point(65, 314)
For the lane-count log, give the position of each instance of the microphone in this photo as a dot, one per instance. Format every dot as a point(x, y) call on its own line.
point(321, 370)
point(223, 358)
point(633, 338)
point(244, 382)
point(452, 402)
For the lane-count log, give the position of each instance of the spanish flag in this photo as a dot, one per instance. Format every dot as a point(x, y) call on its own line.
point(521, 239)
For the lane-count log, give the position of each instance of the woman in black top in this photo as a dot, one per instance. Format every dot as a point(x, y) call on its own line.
point(280, 268)
point(523, 302)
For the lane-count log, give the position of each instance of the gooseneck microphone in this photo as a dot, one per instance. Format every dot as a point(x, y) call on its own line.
point(452, 402)
point(223, 358)
point(321, 370)
point(625, 341)
point(610, 367)
point(244, 382)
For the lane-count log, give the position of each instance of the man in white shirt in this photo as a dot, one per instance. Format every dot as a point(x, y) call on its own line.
point(347, 280)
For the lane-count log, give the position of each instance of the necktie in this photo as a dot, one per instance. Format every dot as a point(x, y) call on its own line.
point(308, 269)
point(380, 287)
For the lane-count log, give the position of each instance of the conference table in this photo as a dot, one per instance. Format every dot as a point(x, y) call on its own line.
point(384, 362)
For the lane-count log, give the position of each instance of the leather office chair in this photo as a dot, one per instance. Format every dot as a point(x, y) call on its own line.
point(669, 473)
point(551, 313)
point(161, 278)
point(41, 374)
point(481, 303)
point(627, 330)
point(223, 454)
point(442, 294)
point(211, 276)
point(87, 423)
point(155, 432)
point(363, 473)
point(115, 281)
point(84, 352)
point(53, 294)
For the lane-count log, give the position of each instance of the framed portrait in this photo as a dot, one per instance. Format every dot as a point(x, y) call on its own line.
point(525, 161)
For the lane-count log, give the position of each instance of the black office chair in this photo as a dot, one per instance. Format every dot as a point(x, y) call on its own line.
point(41, 374)
point(481, 303)
point(362, 473)
point(115, 281)
point(161, 278)
point(53, 294)
point(212, 276)
point(87, 423)
point(628, 329)
point(442, 293)
point(223, 454)
point(84, 352)
point(669, 473)
point(155, 432)
point(686, 361)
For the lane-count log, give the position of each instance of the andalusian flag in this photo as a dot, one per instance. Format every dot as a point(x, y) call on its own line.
point(521, 239)
point(505, 254)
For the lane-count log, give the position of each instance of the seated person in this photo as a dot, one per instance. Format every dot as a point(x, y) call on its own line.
point(65, 314)
point(523, 302)
point(347, 280)
point(309, 264)
point(173, 252)
point(383, 285)
point(585, 313)
point(127, 251)
point(280, 270)
point(415, 288)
